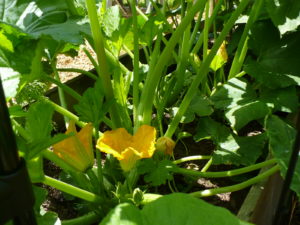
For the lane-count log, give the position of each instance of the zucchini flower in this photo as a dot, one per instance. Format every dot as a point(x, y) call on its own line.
point(165, 145)
point(127, 148)
point(77, 150)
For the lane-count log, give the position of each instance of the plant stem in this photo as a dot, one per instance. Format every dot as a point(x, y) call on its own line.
point(191, 158)
point(228, 173)
point(102, 61)
point(204, 68)
point(72, 190)
point(242, 49)
point(64, 87)
point(89, 74)
point(136, 77)
point(207, 165)
point(72, 7)
point(236, 187)
point(65, 112)
point(61, 93)
point(147, 97)
point(87, 219)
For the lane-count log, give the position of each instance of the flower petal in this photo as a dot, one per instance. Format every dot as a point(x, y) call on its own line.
point(114, 142)
point(130, 156)
point(144, 140)
point(85, 137)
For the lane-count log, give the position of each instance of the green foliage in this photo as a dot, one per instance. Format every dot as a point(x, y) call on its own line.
point(284, 14)
point(281, 143)
point(91, 107)
point(175, 209)
point(230, 148)
point(156, 172)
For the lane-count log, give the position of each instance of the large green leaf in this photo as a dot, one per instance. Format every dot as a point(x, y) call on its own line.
point(285, 99)
point(233, 93)
point(39, 18)
point(125, 214)
point(278, 65)
point(284, 13)
point(281, 142)
point(242, 114)
point(175, 209)
point(230, 149)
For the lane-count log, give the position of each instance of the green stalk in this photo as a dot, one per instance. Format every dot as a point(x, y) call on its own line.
point(61, 93)
point(72, 7)
point(72, 190)
point(145, 108)
point(64, 87)
point(205, 31)
point(87, 219)
point(191, 158)
point(65, 112)
point(89, 74)
point(101, 57)
point(207, 165)
point(210, 21)
point(236, 187)
point(136, 59)
point(99, 167)
point(228, 173)
point(204, 68)
point(242, 49)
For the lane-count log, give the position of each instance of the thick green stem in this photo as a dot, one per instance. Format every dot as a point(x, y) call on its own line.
point(61, 93)
point(145, 108)
point(191, 158)
point(228, 173)
point(204, 68)
point(236, 187)
point(90, 218)
point(241, 52)
point(136, 77)
point(72, 190)
point(102, 61)
point(72, 8)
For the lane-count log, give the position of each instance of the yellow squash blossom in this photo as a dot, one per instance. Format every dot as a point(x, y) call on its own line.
point(127, 148)
point(77, 150)
point(165, 145)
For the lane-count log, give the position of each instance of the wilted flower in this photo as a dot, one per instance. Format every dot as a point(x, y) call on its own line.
point(77, 150)
point(165, 145)
point(127, 148)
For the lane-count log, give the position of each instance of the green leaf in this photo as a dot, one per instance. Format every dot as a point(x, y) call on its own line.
point(233, 93)
point(263, 36)
point(278, 66)
point(200, 106)
point(49, 218)
point(10, 81)
point(242, 114)
point(285, 14)
point(284, 100)
point(156, 172)
point(125, 214)
point(175, 209)
point(179, 209)
point(281, 142)
point(111, 20)
point(91, 107)
point(38, 121)
point(230, 149)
